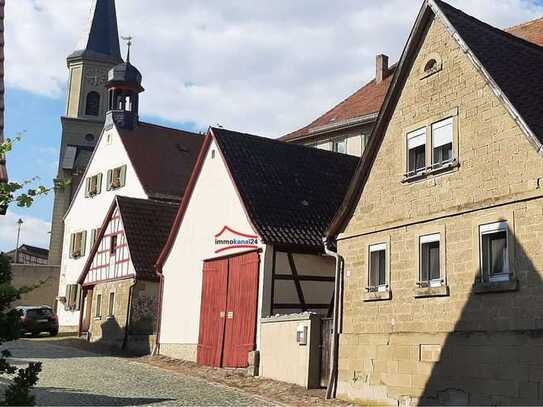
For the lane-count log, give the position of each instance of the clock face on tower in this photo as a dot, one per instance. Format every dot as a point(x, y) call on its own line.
point(96, 77)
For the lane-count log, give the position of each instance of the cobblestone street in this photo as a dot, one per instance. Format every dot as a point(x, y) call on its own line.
point(76, 377)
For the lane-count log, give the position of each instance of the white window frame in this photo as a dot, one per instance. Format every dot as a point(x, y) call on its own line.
point(432, 238)
point(377, 248)
point(488, 229)
point(436, 126)
point(418, 133)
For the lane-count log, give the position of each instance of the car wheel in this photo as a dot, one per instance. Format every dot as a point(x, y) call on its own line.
point(53, 333)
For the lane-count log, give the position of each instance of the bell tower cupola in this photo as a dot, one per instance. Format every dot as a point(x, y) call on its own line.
point(123, 87)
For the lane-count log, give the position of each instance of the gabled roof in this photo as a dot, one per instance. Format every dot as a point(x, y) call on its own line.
point(369, 99)
point(511, 66)
point(146, 224)
point(101, 41)
point(31, 250)
point(290, 192)
point(163, 158)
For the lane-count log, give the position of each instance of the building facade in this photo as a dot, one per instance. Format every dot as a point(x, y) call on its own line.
point(86, 108)
point(27, 254)
point(440, 230)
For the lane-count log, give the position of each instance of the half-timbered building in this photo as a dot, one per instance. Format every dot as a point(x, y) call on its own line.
point(247, 244)
point(120, 286)
point(132, 159)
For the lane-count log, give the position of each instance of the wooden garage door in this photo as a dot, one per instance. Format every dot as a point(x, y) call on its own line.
point(228, 311)
point(214, 289)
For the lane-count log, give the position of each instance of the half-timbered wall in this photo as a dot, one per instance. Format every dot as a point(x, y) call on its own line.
point(110, 263)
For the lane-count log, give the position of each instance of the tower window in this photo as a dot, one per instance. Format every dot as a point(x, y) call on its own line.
point(93, 104)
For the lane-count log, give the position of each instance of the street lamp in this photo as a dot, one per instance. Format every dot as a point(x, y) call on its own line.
point(19, 223)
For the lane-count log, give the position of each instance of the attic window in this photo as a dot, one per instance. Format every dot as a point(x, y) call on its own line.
point(432, 66)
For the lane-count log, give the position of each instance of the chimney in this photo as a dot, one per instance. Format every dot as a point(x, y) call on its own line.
point(381, 68)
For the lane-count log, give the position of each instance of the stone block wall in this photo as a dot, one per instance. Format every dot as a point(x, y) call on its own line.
point(30, 275)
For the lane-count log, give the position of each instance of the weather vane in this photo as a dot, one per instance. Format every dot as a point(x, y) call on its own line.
point(128, 40)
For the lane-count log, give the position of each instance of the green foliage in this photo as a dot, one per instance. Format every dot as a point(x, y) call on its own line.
point(13, 192)
point(18, 392)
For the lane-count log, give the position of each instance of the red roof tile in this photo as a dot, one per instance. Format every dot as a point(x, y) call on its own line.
point(163, 158)
point(370, 97)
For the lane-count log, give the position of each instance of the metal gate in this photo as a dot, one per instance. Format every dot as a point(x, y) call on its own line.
point(228, 311)
point(326, 349)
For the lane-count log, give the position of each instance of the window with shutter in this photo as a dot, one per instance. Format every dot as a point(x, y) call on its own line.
point(117, 177)
point(377, 279)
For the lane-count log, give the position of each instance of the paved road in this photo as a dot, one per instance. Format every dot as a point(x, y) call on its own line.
point(75, 377)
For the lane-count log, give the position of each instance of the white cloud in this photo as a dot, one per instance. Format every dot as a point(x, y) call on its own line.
point(260, 66)
point(33, 232)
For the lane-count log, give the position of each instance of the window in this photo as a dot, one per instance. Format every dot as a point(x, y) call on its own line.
point(339, 146)
point(494, 256)
point(378, 267)
point(94, 236)
point(73, 297)
point(77, 244)
point(93, 186)
point(93, 104)
point(416, 151)
point(430, 267)
point(111, 304)
point(442, 143)
point(116, 178)
point(113, 245)
point(98, 306)
point(430, 66)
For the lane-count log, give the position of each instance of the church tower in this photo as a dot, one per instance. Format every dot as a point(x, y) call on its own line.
point(86, 108)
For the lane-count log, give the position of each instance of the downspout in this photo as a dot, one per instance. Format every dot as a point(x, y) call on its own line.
point(156, 351)
point(331, 390)
point(128, 314)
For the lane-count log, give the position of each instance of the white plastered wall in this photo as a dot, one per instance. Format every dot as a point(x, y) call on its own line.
point(213, 205)
point(89, 213)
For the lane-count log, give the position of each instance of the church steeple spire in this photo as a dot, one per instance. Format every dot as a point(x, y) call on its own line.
point(101, 40)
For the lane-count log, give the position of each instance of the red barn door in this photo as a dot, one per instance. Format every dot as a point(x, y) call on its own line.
point(214, 289)
point(228, 311)
point(240, 331)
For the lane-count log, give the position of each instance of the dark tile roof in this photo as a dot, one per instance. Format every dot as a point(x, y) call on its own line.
point(102, 40)
point(290, 192)
point(146, 224)
point(515, 64)
point(163, 158)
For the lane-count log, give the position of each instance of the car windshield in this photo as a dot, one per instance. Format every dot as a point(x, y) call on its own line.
point(39, 313)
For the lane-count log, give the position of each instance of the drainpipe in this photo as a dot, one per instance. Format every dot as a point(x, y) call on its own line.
point(156, 351)
point(128, 314)
point(331, 390)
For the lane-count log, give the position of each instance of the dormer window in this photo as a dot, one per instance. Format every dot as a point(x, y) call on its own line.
point(416, 152)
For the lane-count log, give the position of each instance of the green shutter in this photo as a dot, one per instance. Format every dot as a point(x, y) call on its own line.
point(87, 187)
point(99, 184)
point(77, 304)
point(72, 237)
point(108, 184)
point(123, 176)
point(83, 242)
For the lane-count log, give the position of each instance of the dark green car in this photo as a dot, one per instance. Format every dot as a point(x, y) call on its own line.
point(38, 319)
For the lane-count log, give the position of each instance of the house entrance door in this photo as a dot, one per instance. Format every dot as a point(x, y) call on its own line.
point(228, 312)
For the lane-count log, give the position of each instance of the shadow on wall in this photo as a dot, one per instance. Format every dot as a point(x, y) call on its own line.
point(494, 356)
point(115, 340)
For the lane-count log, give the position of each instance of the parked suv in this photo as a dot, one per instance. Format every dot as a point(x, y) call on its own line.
point(38, 319)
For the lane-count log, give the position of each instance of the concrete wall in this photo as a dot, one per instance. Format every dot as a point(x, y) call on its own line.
point(282, 358)
point(462, 344)
point(28, 275)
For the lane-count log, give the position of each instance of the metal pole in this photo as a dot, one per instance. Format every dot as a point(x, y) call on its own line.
point(19, 223)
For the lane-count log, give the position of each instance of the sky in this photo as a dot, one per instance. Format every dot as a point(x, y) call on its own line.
point(259, 66)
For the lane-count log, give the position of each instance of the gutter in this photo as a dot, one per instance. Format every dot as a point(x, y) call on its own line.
point(331, 389)
point(128, 314)
point(158, 271)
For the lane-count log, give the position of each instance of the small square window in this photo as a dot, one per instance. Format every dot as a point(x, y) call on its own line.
point(430, 267)
point(442, 143)
point(494, 256)
point(416, 151)
point(340, 146)
point(377, 280)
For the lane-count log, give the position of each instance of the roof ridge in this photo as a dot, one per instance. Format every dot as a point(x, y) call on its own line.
point(168, 128)
point(490, 27)
point(146, 201)
point(283, 143)
point(525, 24)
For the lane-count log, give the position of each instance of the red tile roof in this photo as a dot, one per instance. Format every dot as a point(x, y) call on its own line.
point(163, 158)
point(370, 97)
